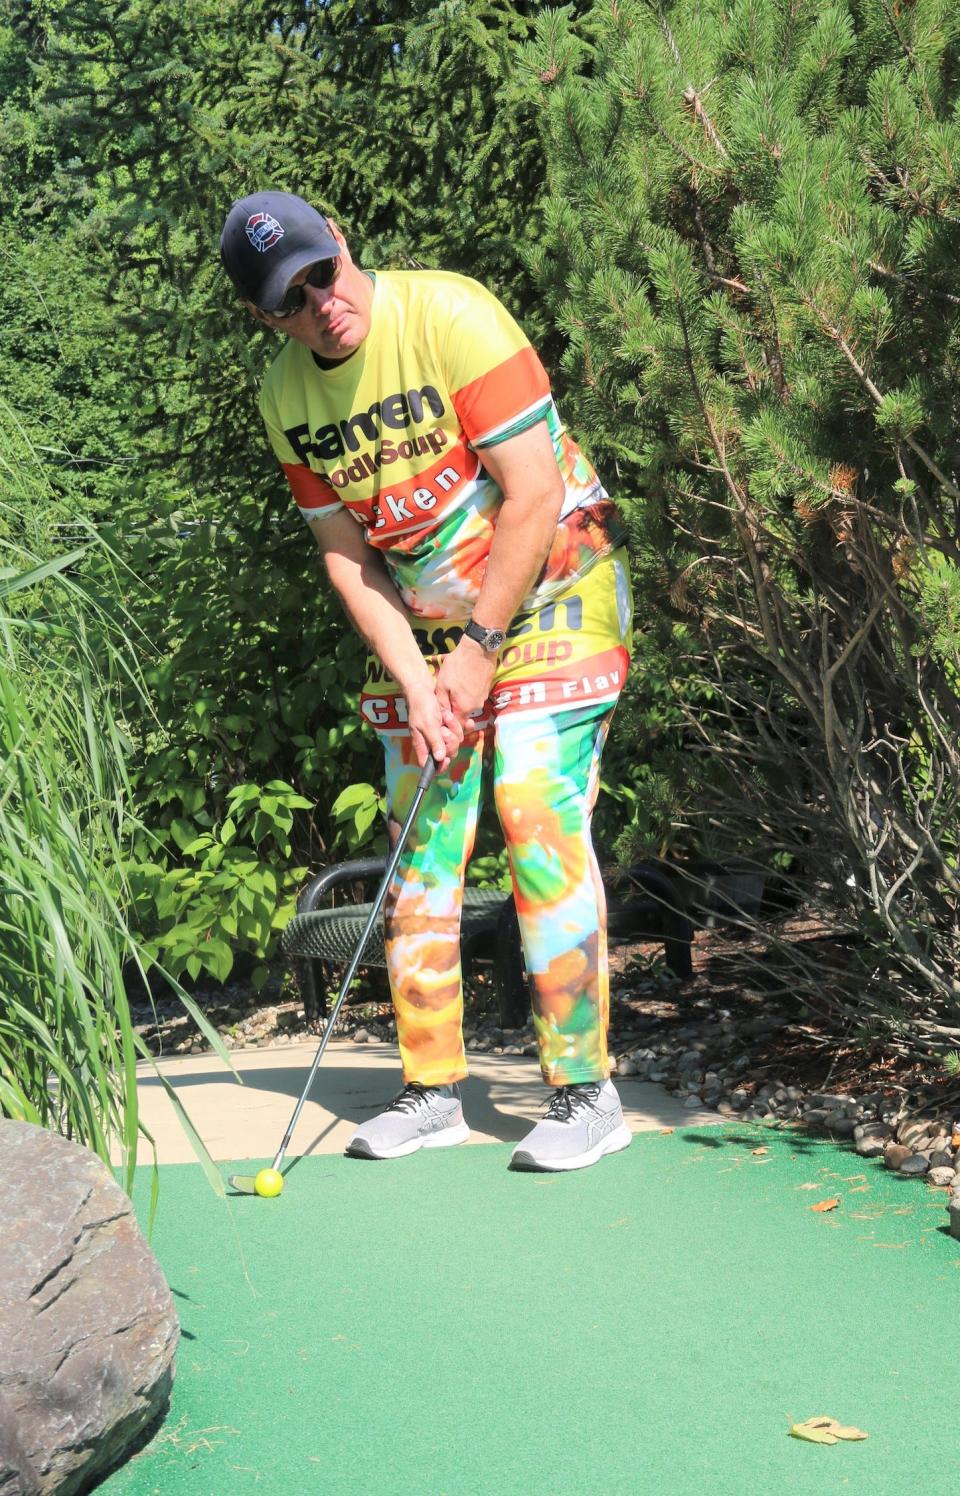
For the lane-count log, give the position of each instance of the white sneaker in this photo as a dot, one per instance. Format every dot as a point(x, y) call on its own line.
point(420, 1117)
point(582, 1123)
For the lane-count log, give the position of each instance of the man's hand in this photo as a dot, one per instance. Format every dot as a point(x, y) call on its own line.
point(434, 729)
point(463, 682)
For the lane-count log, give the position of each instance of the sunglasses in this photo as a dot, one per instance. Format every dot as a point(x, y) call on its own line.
point(320, 276)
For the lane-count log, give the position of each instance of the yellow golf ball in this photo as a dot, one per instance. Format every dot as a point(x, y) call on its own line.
point(269, 1182)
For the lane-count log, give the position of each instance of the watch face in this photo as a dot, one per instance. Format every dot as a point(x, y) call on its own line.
point(489, 639)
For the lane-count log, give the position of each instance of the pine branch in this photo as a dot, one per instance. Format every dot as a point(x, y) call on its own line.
point(695, 103)
point(836, 336)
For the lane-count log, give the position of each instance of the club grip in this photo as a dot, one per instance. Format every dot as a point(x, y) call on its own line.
point(427, 772)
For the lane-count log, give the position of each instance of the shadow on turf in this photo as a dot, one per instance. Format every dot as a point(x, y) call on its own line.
point(505, 1110)
point(800, 1142)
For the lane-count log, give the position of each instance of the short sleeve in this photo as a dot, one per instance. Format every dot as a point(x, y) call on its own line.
point(315, 498)
point(498, 385)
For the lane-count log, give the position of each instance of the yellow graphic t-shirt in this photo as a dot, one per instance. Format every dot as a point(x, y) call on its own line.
point(394, 436)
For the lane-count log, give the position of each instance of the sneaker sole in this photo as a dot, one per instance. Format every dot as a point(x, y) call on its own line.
point(448, 1138)
point(620, 1138)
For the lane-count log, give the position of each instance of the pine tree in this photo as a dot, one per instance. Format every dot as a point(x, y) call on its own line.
point(751, 239)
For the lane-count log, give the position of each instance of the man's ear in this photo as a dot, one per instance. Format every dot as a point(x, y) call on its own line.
point(256, 312)
point(335, 231)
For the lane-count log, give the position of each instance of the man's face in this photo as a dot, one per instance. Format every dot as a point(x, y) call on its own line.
point(336, 318)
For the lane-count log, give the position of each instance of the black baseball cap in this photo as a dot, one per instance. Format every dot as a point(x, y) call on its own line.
point(267, 238)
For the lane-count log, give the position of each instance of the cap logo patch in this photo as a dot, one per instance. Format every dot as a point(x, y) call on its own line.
point(263, 231)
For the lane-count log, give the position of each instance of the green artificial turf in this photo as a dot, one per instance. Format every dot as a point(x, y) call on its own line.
point(440, 1326)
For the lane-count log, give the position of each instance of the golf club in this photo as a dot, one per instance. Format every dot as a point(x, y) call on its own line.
point(269, 1182)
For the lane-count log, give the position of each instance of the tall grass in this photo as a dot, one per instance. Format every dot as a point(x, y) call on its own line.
point(68, 1050)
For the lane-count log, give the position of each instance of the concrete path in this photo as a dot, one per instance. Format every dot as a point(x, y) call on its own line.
point(502, 1099)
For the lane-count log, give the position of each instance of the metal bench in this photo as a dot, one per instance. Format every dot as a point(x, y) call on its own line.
point(489, 929)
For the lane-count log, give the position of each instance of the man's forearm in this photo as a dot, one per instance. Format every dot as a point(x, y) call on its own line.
point(376, 612)
point(525, 470)
point(521, 543)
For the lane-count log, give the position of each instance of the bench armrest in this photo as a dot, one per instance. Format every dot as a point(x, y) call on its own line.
point(341, 872)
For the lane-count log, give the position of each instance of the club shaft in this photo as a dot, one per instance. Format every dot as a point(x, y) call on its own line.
point(423, 784)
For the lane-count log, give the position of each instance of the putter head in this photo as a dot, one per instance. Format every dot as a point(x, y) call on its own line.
point(267, 1184)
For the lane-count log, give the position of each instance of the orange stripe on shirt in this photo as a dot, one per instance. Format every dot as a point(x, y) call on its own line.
point(503, 392)
point(312, 493)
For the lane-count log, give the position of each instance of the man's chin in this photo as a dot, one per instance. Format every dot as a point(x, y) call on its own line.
point(338, 345)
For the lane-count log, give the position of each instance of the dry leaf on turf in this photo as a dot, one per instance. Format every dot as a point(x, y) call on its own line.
point(824, 1431)
point(665, 1130)
point(826, 1204)
point(758, 1150)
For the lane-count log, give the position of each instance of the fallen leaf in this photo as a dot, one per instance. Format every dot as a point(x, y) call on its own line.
point(665, 1130)
point(815, 1431)
point(808, 1186)
point(859, 1189)
point(824, 1431)
point(758, 1150)
point(826, 1204)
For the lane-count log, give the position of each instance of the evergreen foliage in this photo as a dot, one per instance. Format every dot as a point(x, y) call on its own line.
point(730, 227)
point(750, 241)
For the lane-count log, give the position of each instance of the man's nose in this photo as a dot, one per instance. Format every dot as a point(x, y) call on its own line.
point(319, 297)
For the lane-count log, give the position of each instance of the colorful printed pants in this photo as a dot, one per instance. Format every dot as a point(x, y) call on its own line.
point(548, 715)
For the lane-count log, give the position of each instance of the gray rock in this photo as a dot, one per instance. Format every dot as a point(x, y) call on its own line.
point(869, 1147)
point(88, 1329)
point(839, 1123)
point(873, 1130)
point(895, 1154)
point(941, 1158)
point(361, 1036)
point(916, 1164)
point(692, 1101)
point(915, 1134)
point(626, 1066)
point(941, 1176)
point(954, 1208)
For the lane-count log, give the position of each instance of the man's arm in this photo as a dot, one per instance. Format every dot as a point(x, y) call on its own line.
point(524, 467)
point(373, 606)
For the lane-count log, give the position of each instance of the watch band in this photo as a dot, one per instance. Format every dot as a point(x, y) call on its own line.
point(489, 639)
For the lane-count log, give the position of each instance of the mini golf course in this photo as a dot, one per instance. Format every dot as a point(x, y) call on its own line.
point(440, 1326)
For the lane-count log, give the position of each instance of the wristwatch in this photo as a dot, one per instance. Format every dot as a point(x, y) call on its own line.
point(489, 639)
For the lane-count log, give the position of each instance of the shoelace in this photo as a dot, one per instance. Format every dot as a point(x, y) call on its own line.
point(566, 1099)
point(410, 1098)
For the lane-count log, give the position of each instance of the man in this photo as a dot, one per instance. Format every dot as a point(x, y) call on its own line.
point(475, 551)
